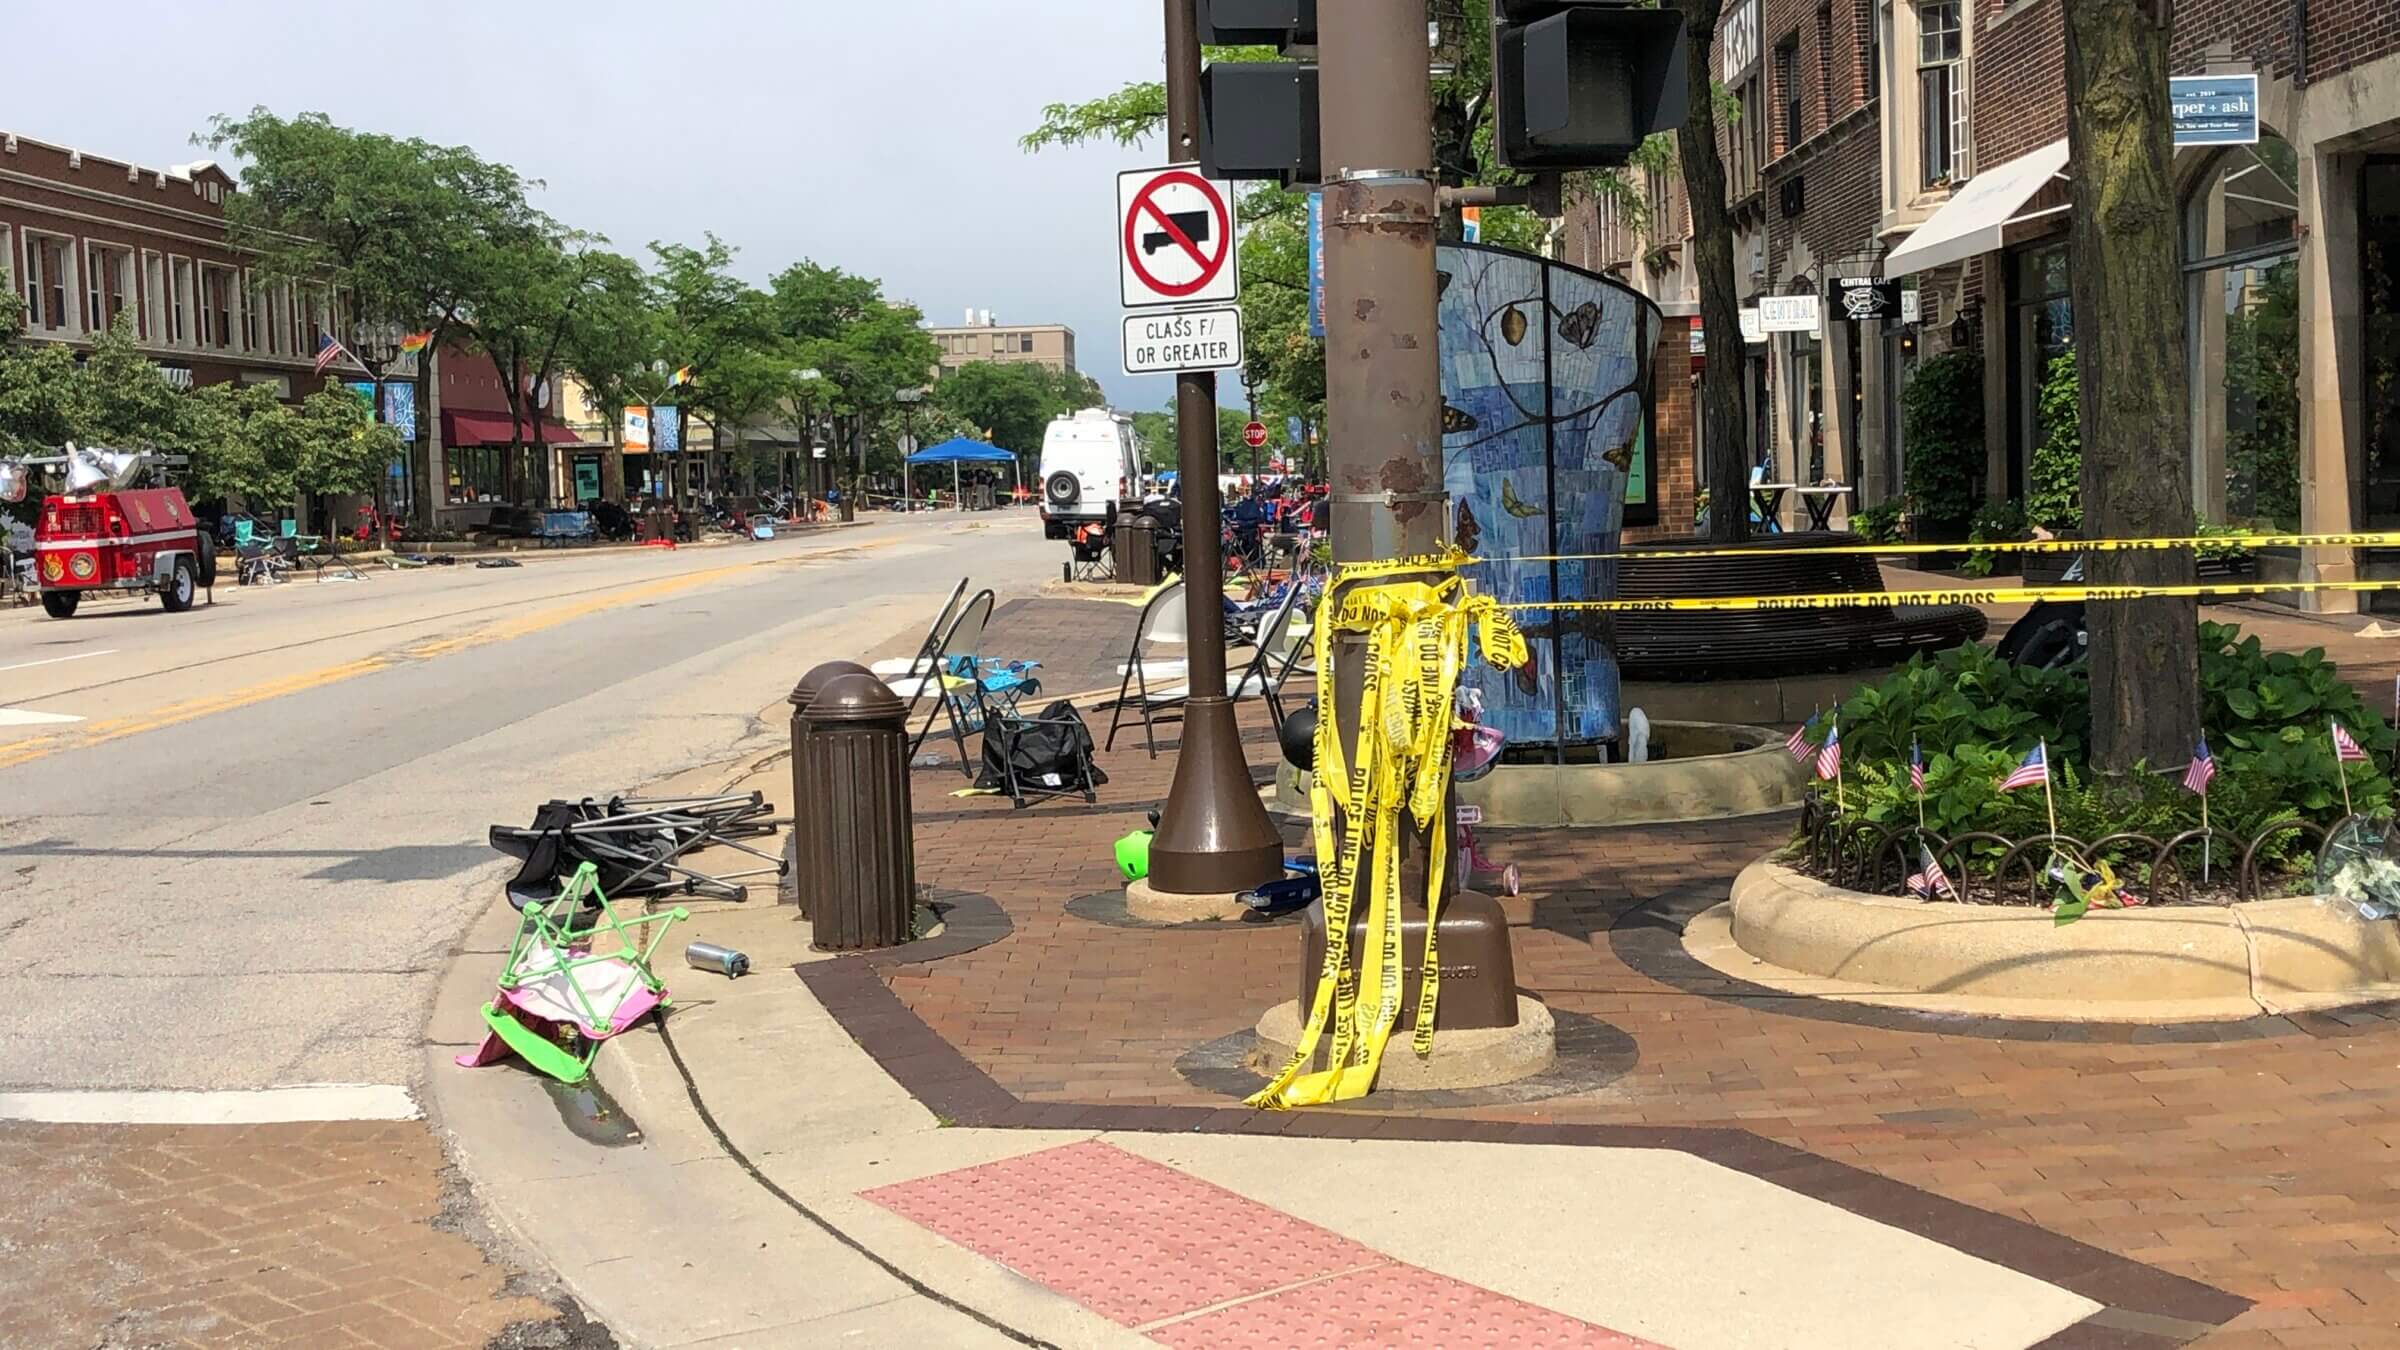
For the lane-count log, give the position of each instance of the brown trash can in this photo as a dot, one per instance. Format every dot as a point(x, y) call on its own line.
point(1137, 549)
point(865, 869)
point(799, 854)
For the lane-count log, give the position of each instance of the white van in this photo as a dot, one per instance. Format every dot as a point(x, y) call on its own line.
point(1090, 466)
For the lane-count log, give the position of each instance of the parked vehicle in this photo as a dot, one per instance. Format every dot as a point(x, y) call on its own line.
point(1090, 468)
point(102, 533)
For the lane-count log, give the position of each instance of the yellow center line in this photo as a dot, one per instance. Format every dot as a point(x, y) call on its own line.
point(117, 728)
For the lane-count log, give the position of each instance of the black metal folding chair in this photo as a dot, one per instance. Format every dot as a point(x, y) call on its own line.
point(923, 662)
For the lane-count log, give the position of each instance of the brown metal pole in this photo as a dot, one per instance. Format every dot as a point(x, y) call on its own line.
point(1383, 369)
point(1213, 835)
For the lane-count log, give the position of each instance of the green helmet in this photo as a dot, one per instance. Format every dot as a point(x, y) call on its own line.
point(1133, 855)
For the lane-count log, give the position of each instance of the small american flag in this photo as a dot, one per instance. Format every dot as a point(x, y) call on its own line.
point(1829, 759)
point(1929, 879)
point(2346, 748)
point(1798, 744)
point(1916, 767)
point(2035, 769)
point(330, 351)
point(2204, 767)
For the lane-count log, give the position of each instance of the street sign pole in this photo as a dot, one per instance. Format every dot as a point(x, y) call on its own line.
point(1213, 836)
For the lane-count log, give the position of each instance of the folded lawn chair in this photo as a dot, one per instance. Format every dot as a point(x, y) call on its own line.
point(960, 635)
point(636, 845)
point(577, 974)
point(1162, 625)
point(894, 667)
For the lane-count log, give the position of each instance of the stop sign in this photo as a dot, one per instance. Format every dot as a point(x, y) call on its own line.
point(1254, 435)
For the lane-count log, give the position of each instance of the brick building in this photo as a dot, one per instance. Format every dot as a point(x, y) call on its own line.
point(1923, 142)
point(86, 241)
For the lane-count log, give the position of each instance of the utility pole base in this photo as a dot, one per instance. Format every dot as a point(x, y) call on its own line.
point(1214, 836)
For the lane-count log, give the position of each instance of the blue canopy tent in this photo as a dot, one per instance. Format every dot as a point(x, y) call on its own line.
point(959, 450)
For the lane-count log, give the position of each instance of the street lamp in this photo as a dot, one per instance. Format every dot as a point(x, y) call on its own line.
point(908, 400)
point(377, 346)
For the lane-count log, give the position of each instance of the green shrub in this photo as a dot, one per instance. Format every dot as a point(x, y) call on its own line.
point(1995, 522)
point(1877, 524)
point(2265, 715)
point(2269, 711)
point(1967, 696)
point(1942, 424)
point(2054, 492)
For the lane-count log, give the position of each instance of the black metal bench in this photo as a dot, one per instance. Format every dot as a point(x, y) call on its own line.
point(1732, 644)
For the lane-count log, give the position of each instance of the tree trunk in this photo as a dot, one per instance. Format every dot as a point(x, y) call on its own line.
point(2129, 351)
point(1722, 425)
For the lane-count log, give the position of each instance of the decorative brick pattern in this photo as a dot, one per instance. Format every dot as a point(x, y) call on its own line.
point(264, 1235)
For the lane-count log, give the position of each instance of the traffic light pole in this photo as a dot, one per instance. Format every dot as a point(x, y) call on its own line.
point(1383, 460)
point(1213, 836)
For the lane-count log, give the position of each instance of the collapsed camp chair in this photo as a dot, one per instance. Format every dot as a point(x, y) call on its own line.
point(577, 974)
point(1046, 754)
point(637, 845)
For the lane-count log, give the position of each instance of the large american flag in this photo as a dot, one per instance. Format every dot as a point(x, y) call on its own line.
point(2035, 769)
point(330, 351)
point(2203, 768)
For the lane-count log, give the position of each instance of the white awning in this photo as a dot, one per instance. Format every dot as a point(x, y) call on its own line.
point(1972, 220)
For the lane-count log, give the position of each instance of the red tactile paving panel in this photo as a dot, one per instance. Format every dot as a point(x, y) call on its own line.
point(1141, 1243)
point(1132, 1240)
point(1391, 1306)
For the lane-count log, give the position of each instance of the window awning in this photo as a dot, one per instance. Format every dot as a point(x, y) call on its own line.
point(1972, 220)
point(466, 427)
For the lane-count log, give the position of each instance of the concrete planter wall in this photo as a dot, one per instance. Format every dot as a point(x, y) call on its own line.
point(2276, 954)
point(1721, 770)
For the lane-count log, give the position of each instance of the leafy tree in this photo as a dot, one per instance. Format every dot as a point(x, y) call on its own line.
point(1942, 427)
point(865, 348)
point(2129, 320)
point(1008, 403)
point(609, 341)
point(722, 329)
point(401, 230)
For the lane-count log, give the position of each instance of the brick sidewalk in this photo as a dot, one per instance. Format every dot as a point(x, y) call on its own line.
point(2248, 1156)
point(336, 1234)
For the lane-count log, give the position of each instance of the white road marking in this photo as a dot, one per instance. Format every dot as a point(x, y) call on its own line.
point(54, 660)
point(260, 1106)
point(27, 717)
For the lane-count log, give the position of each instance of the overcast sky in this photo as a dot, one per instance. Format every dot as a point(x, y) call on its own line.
point(878, 137)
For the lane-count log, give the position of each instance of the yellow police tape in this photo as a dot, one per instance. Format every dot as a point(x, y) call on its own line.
point(1416, 643)
point(2385, 539)
point(1955, 596)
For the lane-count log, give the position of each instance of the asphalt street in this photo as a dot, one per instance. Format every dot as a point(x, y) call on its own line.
point(244, 861)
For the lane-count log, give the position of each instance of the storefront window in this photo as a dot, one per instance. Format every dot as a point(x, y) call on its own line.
point(476, 473)
point(2379, 273)
point(2245, 341)
point(2042, 329)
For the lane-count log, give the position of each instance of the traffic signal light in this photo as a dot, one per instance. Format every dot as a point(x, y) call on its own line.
point(1582, 83)
point(1258, 119)
point(1279, 24)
